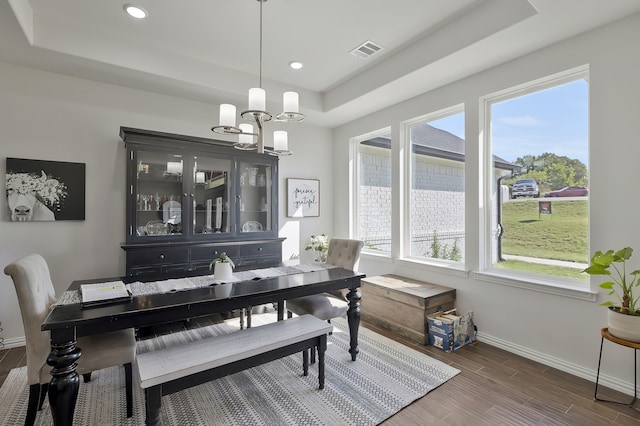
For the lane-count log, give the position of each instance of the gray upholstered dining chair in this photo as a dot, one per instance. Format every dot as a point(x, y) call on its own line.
point(344, 253)
point(36, 296)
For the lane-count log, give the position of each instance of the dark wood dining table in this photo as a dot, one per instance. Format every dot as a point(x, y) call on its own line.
point(67, 322)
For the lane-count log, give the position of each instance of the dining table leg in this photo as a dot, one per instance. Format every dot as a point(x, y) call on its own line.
point(63, 388)
point(353, 318)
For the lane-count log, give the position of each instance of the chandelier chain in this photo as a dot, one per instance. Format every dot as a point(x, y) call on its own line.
point(261, 43)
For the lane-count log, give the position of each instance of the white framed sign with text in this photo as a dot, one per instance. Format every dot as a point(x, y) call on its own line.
point(303, 197)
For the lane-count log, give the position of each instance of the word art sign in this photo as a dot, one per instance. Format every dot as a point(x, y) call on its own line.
point(303, 197)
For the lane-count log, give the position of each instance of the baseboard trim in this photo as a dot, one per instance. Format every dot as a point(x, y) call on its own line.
point(560, 364)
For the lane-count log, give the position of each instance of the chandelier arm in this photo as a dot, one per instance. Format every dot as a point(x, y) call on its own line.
point(260, 140)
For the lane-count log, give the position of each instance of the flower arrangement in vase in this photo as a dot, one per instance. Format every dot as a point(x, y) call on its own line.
point(319, 244)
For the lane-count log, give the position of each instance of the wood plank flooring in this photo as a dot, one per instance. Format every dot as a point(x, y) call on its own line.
point(494, 387)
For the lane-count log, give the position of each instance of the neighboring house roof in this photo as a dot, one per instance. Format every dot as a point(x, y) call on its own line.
point(428, 140)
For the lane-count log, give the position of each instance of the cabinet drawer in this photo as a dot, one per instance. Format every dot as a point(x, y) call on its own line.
point(209, 253)
point(158, 256)
point(260, 249)
point(157, 270)
point(261, 261)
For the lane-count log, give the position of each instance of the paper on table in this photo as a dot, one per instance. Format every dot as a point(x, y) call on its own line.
point(107, 291)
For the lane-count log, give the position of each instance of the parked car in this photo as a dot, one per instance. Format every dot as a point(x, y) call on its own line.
point(569, 191)
point(525, 188)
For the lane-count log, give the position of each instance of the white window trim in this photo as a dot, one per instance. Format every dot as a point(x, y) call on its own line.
point(405, 134)
point(567, 287)
point(541, 285)
point(354, 187)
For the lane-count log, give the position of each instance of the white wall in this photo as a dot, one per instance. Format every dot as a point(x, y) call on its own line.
point(48, 116)
point(560, 331)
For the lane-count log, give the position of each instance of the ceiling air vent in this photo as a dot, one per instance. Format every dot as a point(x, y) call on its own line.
point(366, 49)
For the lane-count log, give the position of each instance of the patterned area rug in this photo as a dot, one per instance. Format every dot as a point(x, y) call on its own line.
point(386, 377)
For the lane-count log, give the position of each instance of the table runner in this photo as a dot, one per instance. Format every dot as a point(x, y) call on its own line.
point(156, 287)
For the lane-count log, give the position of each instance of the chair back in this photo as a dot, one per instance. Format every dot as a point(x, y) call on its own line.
point(36, 295)
point(344, 253)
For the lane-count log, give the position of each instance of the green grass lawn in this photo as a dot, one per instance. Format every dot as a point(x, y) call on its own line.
point(559, 271)
point(561, 235)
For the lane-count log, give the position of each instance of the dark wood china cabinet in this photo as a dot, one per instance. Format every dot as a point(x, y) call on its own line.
point(190, 199)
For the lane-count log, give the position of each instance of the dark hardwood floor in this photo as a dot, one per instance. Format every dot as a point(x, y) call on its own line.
point(494, 387)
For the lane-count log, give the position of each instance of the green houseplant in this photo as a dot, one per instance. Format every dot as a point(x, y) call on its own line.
point(223, 258)
point(624, 317)
point(222, 267)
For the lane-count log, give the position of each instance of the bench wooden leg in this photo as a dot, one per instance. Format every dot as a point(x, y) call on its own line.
point(153, 401)
point(305, 362)
point(322, 347)
point(128, 379)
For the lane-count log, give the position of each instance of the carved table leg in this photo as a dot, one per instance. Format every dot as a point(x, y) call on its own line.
point(280, 309)
point(353, 317)
point(63, 388)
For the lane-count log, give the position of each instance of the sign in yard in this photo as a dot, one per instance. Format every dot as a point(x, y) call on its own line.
point(544, 207)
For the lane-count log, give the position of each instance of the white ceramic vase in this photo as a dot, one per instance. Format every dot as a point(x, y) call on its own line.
point(222, 271)
point(625, 327)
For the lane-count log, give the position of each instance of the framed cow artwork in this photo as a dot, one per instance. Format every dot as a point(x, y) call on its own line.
point(39, 190)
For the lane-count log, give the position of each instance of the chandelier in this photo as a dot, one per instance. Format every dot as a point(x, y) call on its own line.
point(257, 113)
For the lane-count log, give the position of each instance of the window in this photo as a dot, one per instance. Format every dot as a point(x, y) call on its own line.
point(538, 141)
point(374, 191)
point(436, 188)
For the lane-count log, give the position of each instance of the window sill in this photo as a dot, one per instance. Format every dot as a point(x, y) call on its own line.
point(539, 285)
point(456, 269)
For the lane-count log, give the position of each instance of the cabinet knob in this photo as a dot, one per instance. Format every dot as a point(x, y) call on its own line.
point(184, 194)
point(215, 252)
point(161, 256)
point(259, 248)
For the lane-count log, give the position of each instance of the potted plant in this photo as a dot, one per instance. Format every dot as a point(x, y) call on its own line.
point(623, 314)
point(319, 244)
point(222, 267)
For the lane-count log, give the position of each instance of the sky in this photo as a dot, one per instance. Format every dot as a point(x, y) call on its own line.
point(554, 120)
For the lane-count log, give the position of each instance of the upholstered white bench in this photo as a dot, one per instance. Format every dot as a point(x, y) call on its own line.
point(171, 369)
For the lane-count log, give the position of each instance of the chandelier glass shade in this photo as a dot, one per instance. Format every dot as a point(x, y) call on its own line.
point(257, 114)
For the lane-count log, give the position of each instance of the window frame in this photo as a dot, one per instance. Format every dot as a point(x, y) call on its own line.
point(570, 287)
point(354, 225)
point(406, 188)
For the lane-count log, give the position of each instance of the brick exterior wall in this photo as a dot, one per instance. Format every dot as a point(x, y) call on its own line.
point(437, 202)
point(375, 197)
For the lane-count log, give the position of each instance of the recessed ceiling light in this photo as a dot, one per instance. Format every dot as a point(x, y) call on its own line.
point(296, 65)
point(135, 11)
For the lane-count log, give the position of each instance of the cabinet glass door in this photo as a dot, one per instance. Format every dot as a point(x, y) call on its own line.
point(158, 192)
point(254, 197)
point(211, 195)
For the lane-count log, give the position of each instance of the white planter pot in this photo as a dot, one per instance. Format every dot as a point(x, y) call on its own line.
point(222, 290)
point(222, 271)
point(625, 327)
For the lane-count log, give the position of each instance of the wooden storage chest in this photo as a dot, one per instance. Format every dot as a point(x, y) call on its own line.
point(402, 304)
